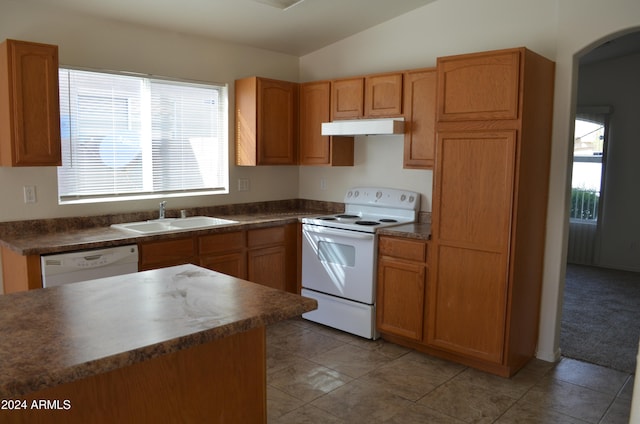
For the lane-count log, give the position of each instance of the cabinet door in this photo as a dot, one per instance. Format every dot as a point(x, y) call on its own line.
point(481, 86)
point(473, 200)
point(224, 252)
point(316, 149)
point(268, 266)
point(266, 122)
point(400, 297)
point(401, 287)
point(315, 107)
point(474, 185)
point(468, 302)
point(420, 118)
point(272, 258)
point(158, 254)
point(347, 98)
point(277, 122)
point(383, 95)
point(30, 110)
point(234, 263)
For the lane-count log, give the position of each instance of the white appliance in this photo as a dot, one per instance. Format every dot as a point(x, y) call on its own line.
point(72, 267)
point(339, 256)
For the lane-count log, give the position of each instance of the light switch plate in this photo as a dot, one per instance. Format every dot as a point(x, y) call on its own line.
point(30, 194)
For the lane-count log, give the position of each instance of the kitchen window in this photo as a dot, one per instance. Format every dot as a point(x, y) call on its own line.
point(133, 137)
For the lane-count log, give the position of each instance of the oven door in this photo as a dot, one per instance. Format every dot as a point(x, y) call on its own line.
point(339, 262)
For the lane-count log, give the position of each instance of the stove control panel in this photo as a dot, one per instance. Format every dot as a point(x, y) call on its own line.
point(383, 197)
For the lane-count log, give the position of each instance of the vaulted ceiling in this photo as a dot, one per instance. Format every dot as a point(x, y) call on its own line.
point(294, 27)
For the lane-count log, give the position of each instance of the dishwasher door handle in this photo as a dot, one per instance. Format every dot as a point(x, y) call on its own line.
point(92, 257)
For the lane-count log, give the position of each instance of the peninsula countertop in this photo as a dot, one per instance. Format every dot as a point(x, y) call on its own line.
point(61, 334)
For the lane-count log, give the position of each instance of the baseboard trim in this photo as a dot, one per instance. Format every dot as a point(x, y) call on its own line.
point(549, 355)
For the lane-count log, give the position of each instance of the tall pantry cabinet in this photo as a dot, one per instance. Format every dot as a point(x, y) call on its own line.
point(494, 116)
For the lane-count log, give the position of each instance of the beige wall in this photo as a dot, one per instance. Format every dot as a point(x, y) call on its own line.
point(91, 43)
point(412, 41)
point(557, 29)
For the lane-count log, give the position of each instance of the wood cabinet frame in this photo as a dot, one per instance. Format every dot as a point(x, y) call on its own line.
point(266, 122)
point(401, 287)
point(29, 104)
point(266, 256)
point(316, 149)
point(490, 201)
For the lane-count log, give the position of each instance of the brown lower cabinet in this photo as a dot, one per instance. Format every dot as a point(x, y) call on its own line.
point(224, 253)
point(402, 279)
point(265, 256)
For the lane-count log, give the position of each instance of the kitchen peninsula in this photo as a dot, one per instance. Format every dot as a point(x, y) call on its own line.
point(177, 344)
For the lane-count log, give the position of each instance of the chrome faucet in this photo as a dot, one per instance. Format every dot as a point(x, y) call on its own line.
point(163, 205)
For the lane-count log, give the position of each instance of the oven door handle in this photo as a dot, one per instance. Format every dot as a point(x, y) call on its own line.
point(331, 231)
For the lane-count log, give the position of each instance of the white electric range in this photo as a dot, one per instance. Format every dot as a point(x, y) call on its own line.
point(339, 256)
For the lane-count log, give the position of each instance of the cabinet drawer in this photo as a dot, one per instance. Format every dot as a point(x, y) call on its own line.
point(403, 249)
point(265, 236)
point(224, 242)
point(166, 253)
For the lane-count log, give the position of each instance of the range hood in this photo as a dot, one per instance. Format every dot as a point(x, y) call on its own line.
point(389, 126)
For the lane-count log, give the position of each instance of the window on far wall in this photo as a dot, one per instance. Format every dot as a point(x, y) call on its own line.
point(588, 167)
point(133, 137)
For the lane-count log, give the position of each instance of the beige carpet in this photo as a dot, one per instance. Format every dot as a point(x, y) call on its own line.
point(601, 317)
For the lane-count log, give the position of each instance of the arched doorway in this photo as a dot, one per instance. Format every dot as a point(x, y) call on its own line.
point(594, 307)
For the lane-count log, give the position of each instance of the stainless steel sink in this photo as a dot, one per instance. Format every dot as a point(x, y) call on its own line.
point(172, 224)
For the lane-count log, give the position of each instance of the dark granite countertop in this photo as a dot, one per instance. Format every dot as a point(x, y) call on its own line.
point(47, 242)
point(419, 231)
point(41, 237)
point(60, 334)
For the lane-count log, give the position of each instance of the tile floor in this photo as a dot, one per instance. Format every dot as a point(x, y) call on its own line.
point(319, 375)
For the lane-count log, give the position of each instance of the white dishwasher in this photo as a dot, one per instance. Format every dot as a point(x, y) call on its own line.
point(72, 267)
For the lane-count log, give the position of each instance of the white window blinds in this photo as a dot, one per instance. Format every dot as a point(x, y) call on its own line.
point(129, 137)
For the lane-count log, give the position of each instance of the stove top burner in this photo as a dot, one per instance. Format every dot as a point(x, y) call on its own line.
point(368, 209)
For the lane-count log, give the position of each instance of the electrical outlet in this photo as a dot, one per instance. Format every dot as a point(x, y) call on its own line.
point(30, 194)
point(243, 184)
point(323, 184)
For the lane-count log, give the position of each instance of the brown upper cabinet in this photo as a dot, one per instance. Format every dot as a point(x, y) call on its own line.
point(266, 122)
point(368, 96)
point(347, 98)
point(316, 149)
point(29, 104)
point(420, 118)
point(383, 95)
point(480, 86)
